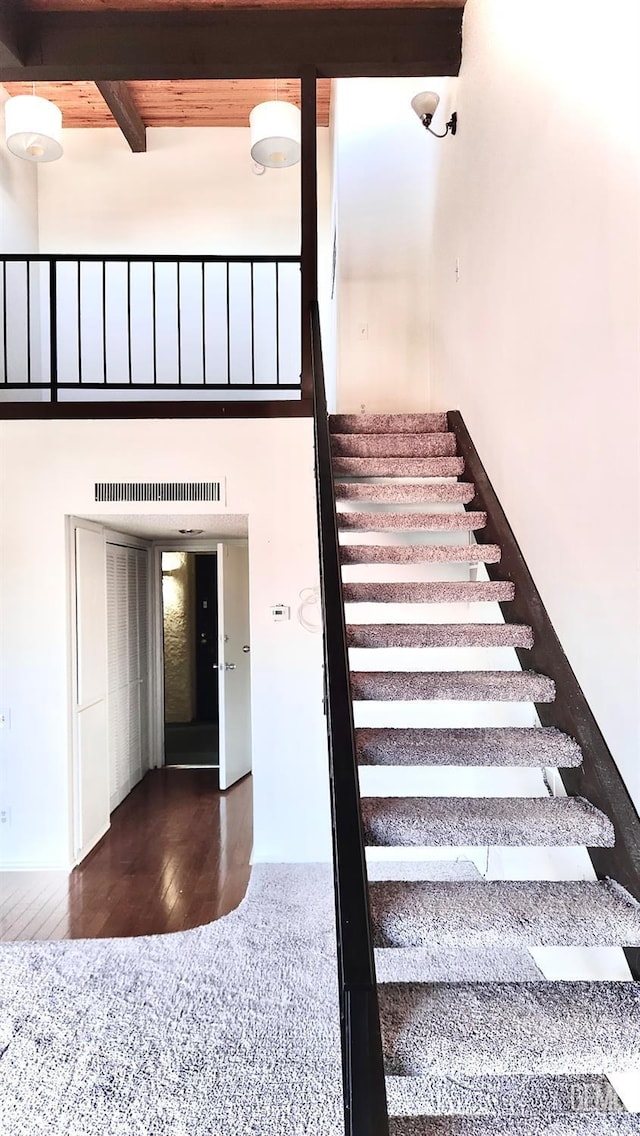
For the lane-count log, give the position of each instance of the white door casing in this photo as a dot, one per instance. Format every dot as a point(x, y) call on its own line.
point(234, 663)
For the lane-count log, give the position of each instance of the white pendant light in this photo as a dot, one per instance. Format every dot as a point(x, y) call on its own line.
point(33, 128)
point(275, 134)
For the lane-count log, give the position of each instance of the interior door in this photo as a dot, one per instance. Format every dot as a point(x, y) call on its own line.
point(90, 690)
point(234, 675)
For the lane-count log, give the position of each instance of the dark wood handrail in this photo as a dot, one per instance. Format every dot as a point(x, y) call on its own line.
point(362, 1061)
point(598, 779)
point(141, 258)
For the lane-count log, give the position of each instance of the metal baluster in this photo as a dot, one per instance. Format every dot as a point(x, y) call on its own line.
point(104, 322)
point(155, 343)
point(179, 335)
point(53, 329)
point(28, 265)
point(228, 332)
point(78, 297)
point(277, 324)
point(253, 333)
point(129, 322)
point(204, 332)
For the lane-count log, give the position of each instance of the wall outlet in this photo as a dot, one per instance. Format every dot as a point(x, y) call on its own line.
point(5, 816)
point(5, 719)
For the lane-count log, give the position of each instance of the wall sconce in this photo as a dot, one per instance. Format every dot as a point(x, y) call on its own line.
point(425, 105)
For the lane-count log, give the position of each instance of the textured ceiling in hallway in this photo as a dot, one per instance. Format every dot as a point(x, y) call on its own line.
point(166, 526)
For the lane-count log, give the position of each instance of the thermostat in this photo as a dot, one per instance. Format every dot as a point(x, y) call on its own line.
point(280, 613)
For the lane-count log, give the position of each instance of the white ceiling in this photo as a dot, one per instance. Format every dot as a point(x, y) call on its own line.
point(166, 526)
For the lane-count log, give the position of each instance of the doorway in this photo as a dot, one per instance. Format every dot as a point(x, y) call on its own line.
point(206, 665)
point(190, 638)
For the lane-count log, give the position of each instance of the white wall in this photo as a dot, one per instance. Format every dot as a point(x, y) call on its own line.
point(193, 192)
point(47, 471)
point(386, 178)
point(18, 197)
point(537, 343)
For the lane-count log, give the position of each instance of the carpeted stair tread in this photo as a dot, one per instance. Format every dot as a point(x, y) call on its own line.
point(483, 1097)
point(387, 423)
point(503, 913)
point(461, 492)
point(393, 822)
point(419, 553)
point(374, 635)
point(439, 445)
point(427, 522)
point(475, 746)
point(488, 1028)
point(460, 686)
point(568, 1124)
point(430, 591)
point(397, 467)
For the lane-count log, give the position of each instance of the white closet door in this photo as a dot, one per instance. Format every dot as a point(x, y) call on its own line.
point(128, 602)
point(92, 815)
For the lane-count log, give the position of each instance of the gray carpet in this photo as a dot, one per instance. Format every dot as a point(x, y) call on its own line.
point(571, 1124)
point(503, 913)
point(448, 591)
point(425, 522)
point(397, 467)
point(394, 445)
point(506, 1096)
point(465, 686)
point(445, 492)
point(438, 635)
point(500, 745)
point(228, 1030)
point(479, 821)
point(387, 423)
point(501, 1029)
point(419, 553)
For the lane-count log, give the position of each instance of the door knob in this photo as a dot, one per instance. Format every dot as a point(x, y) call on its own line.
point(229, 666)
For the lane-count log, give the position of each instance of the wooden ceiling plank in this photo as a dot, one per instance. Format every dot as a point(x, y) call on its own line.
point(247, 43)
point(212, 102)
point(118, 98)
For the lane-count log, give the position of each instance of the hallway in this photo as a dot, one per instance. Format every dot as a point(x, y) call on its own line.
point(176, 856)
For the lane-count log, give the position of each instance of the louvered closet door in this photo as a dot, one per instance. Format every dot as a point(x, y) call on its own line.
point(128, 608)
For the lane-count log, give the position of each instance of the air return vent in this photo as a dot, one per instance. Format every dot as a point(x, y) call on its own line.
point(158, 491)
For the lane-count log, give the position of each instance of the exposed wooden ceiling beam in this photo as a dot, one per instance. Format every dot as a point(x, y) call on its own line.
point(249, 43)
point(14, 29)
point(118, 98)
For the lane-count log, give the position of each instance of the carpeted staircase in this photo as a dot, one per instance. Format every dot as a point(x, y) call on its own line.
point(476, 1041)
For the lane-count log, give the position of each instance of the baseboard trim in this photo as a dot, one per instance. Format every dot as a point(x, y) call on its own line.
point(36, 866)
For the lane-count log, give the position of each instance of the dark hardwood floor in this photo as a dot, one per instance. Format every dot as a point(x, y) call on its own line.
point(176, 856)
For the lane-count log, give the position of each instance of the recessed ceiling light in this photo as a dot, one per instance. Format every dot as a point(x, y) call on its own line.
point(191, 532)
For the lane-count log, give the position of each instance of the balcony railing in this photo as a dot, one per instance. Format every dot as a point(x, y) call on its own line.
point(96, 328)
